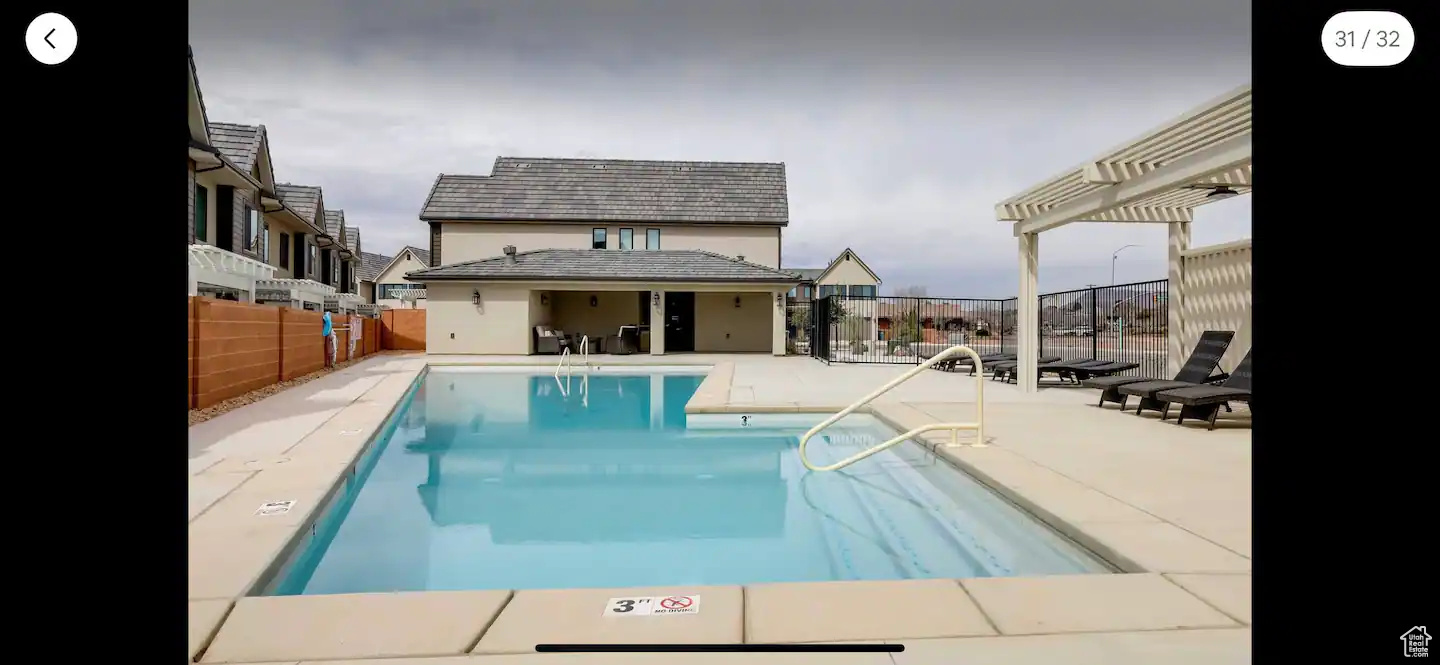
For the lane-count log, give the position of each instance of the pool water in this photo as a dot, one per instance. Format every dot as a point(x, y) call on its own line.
point(510, 481)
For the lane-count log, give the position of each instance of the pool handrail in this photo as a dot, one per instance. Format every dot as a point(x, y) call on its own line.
point(978, 425)
point(565, 362)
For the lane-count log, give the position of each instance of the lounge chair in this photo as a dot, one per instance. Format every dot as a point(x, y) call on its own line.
point(949, 364)
point(1080, 370)
point(1003, 368)
point(1197, 370)
point(989, 361)
point(1204, 402)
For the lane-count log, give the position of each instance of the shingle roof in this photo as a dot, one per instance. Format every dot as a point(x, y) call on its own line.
point(195, 74)
point(334, 223)
point(352, 238)
point(371, 265)
point(808, 274)
point(546, 189)
point(240, 143)
point(303, 198)
point(422, 254)
point(660, 265)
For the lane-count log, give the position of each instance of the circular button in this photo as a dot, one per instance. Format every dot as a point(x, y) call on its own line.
point(51, 38)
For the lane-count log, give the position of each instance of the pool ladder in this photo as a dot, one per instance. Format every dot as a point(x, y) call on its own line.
point(565, 363)
point(978, 425)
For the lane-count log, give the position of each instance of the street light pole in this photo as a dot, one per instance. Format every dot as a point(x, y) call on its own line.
point(1113, 258)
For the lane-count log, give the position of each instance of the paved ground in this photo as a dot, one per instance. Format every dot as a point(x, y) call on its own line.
point(1169, 505)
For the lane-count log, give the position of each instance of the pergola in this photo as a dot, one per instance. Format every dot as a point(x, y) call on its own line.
point(1160, 177)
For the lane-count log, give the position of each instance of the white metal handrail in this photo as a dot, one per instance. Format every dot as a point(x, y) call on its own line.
point(565, 362)
point(978, 425)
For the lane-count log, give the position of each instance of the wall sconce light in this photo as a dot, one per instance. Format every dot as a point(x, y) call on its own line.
point(655, 299)
point(779, 299)
point(737, 302)
point(544, 299)
point(475, 297)
point(594, 301)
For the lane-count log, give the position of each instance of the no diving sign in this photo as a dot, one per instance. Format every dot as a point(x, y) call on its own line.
point(652, 605)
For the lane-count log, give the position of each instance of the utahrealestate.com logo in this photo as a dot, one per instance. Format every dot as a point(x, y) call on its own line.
point(1417, 642)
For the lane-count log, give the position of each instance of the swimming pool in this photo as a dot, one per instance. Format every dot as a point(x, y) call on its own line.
point(509, 480)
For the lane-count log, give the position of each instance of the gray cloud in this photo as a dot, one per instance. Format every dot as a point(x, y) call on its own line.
point(901, 123)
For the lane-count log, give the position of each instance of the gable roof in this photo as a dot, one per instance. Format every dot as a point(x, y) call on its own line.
point(612, 265)
point(371, 265)
point(199, 97)
point(421, 255)
point(841, 257)
point(592, 190)
point(335, 226)
point(240, 143)
point(352, 238)
point(305, 199)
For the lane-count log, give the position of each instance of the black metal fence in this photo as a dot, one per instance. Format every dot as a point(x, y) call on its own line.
point(1125, 322)
point(907, 330)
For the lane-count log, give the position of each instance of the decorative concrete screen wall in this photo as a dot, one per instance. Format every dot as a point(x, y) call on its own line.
point(239, 347)
point(1217, 296)
point(403, 329)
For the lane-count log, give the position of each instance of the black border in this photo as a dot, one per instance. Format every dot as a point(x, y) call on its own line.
point(1344, 496)
point(1343, 465)
point(96, 484)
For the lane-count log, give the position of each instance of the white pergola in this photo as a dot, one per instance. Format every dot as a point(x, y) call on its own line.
point(298, 293)
point(1160, 177)
point(216, 267)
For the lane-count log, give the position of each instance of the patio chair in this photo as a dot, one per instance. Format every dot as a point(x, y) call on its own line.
point(1003, 368)
point(549, 341)
point(1204, 401)
point(1203, 360)
point(949, 364)
point(1080, 370)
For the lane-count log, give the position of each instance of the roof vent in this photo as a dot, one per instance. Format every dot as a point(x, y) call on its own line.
point(509, 253)
point(597, 166)
point(740, 257)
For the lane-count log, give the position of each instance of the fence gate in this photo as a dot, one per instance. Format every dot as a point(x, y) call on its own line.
point(820, 328)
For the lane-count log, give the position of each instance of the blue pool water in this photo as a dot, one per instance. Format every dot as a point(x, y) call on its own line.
point(502, 481)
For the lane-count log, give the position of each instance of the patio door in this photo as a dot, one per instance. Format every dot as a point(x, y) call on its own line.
point(679, 321)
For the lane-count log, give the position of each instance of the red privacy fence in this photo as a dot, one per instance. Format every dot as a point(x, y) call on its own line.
point(403, 329)
point(239, 347)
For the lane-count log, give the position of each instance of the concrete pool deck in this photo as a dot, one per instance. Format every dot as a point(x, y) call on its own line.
point(1168, 505)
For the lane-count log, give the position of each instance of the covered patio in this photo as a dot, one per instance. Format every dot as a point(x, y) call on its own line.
point(1158, 178)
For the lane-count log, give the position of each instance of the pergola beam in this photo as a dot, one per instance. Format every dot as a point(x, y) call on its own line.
point(1127, 214)
point(1195, 167)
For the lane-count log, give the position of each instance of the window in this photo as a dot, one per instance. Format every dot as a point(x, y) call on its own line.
point(793, 291)
point(652, 238)
point(627, 238)
point(285, 250)
point(831, 290)
point(310, 265)
point(251, 238)
point(202, 210)
point(335, 269)
point(393, 291)
point(807, 292)
point(862, 291)
point(597, 239)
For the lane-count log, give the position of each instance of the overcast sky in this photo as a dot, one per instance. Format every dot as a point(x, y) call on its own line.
point(901, 122)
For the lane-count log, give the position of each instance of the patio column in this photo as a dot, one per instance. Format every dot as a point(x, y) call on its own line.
point(1027, 314)
point(1176, 337)
point(657, 323)
point(777, 323)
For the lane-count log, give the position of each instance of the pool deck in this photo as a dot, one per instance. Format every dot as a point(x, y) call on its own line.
point(1168, 505)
